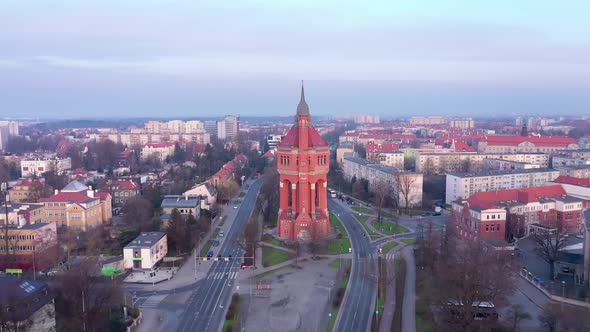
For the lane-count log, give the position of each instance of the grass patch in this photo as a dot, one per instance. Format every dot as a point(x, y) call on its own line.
point(335, 263)
point(409, 241)
point(237, 201)
point(273, 256)
point(361, 218)
point(264, 274)
point(232, 317)
point(206, 247)
point(216, 231)
point(386, 214)
point(339, 296)
point(371, 233)
point(362, 209)
point(389, 228)
point(388, 246)
point(335, 222)
point(338, 246)
point(242, 194)
point(228, 325)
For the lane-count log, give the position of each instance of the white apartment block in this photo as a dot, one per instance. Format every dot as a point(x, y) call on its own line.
point(402, 183)
point(442, 163)
point(427, 120)
point(160, 150)
point(366, 119)
point(229, 127)
point(465, 123)
point(466, 184)
point(392, 159)
point(581, 171)
point(36, 166)
point(490, 164)
point(7, 129)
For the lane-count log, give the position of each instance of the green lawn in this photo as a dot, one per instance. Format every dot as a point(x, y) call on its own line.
point(264, 274)
point(343, 285)
point(361, 218)
point(409, 241)
point(338, 246)
point(362, 209)
point(336, 263)
point(388, 246)
point(242, 194)
point(389, 228)
point(424, 291)
point(237, 201)
point(206, 248)
point(274, 256)
point(386, 214)
point(371, 233)
point(335, 222)
point(227, 325)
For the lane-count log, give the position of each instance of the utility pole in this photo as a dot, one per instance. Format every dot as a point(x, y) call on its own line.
point(4, 188)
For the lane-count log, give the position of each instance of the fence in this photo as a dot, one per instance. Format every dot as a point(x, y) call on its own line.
point(540, 285)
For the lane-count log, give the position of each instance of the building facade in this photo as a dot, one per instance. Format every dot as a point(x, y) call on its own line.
point(29, 245)
point(145, 251)
point(466, 184)
point(443, 163)
point(525, 144)
point(160, 150)
point(122, 190)
point(28, 190)
point(37, 166)
point(303, 160)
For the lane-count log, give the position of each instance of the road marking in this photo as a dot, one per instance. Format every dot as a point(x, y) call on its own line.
point(153, 301)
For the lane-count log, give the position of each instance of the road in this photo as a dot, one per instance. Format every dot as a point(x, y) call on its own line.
point(357, 307)
point(206, 307)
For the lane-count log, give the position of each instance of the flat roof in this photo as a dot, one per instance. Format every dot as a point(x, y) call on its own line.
point(146, 240)
point(507, 172)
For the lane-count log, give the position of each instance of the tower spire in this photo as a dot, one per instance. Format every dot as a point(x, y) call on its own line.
point(302, 108)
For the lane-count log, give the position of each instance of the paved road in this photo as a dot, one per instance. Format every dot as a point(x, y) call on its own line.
point(206, 307)
point(356, 311)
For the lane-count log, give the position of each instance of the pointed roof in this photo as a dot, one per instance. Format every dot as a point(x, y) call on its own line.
point(74, 186)
point(302, 108)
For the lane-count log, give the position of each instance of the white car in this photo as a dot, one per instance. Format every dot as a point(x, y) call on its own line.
point(221, 233)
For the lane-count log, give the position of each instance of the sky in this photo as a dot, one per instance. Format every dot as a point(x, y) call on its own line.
point(149, 58)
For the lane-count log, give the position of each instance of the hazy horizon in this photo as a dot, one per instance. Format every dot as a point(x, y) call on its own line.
point(195, 59)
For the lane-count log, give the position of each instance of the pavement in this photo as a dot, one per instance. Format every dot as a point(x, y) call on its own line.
point(356, 310)
point(196, 299)
point(409, 304)
point(389, 306)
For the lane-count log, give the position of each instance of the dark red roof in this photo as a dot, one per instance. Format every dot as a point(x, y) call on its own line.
point(489, 199)
point(160, 145)
point(461, 146)
point(291, 140)
point(63, 196)
point(373, 147)
point(582, 182)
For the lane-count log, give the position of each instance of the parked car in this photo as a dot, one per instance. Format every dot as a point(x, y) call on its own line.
point(210, 254)
point(215, 243)
point(221, 234)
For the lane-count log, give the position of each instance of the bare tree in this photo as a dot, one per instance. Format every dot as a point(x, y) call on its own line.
point(138, 213)
point(403, 189)
point(227, 189)
point(548, 245)
point(517, 314)
point(381, 194)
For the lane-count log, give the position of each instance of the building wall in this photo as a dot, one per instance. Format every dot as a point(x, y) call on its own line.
point(36, 246)
point(442, 163)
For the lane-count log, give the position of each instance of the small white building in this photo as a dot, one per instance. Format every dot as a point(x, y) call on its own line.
point(145, 251)
point(207, 193)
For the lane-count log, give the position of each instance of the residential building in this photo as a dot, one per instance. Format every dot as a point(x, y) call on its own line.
point(466, 123)
point(28, 190)
point(442, 163)
point(7, 129)
point(31, 246)
point(496, 164)
point(427, 120)
point(303, 161)
point(28, 305)
point(228, 128)
point(343, 148)
point(145, 251)
point(210, 127)
point(229, 170)
point(22, 213)
point(273, 141)
point(206, 191)
point(363, 118)
point(386, 153)
point(580, 171)
point(405, 186)
point(159, 150)
point(524, 207)
point(185, 204)
point(525, 144)
point(466, 184)
point(78, 207)
point(576, 187)
point(122, 190)
point(36, 166)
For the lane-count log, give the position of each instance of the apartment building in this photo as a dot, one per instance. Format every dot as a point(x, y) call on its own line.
point(160, 150)
point(427, 120)
point(466, 184)
point(524, 207)
point(7, 129)
point(525, 144)
point(496, 164)
point(122, 190)
point(35, 307)
point(363, 118)
point(343, 148)
point(78, 207)
point(206, 191)
point(228, 127)
point(580, 171)
point(29, 245)
point(404, 185)
point(28, 190)
point(442, 163)
point(466, 123)
point(36, 166)
point(22, 213)
point(273, 141)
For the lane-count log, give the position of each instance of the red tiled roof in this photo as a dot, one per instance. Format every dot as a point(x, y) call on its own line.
point(582, 182)
point(536, 140)
point(490, 199)
point(373, 147)
point(28, 182)
point(73, 197)
point(314, 139)
point(125, 184)
point(102, 195)
point(461, 146)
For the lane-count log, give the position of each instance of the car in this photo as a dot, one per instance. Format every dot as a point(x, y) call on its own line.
point(210, 254)
point(235, 206)
point(221, 234)
point(215, 243)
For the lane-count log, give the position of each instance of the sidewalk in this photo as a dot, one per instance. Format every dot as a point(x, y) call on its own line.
point(389, 305)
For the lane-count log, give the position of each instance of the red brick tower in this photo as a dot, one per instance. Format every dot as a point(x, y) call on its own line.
point(303, 160)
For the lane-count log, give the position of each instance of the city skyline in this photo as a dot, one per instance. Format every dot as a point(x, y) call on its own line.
point(184, 59)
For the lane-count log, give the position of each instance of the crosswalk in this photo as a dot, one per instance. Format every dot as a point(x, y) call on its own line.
point(153, 301)
point(220, 275)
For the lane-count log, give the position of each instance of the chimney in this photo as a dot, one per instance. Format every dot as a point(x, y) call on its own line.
point(55, 192)
point(186, 197)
